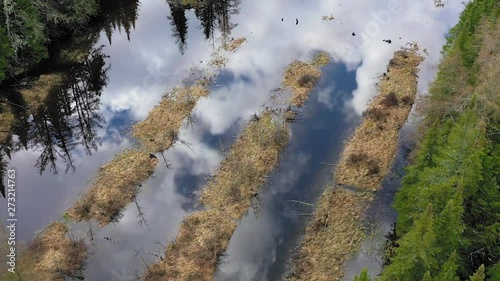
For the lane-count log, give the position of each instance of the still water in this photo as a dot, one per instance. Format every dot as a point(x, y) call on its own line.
point(139, 49)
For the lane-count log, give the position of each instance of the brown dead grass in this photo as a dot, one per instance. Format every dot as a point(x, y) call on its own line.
point(488, 87)
point(114, 187)
point(376, 137)
point(51, 256)
point(38, 90)
point(321, 58)
point(160, 129)
point(244, 170)
point(332, 237)
point(202, 239)
point(234, 44)
point(7, 120)
point(301, 77)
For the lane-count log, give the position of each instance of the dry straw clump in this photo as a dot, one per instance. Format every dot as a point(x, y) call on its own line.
point(244, 170)
point(114, 187)
point(36, 93)
point(234, 44)
point(160, 129)
point(301, 77)
point(202, 239)
point(332, 237)
point(51, 257)
point(368, 155)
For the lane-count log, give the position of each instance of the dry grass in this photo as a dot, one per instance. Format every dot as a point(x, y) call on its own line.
point(377, 135)
point(51, 256)
point(300, 77)
point(114, 187)
point(6, 121)
point(488, 60)
point(234, 44)
point(202, 239)
point(204, 236)
point(244, 170)
point(321, 58)
point(332, 237)
point(36, 93)
point(160, 129)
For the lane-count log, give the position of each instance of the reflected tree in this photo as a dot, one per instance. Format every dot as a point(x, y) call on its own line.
point(117, 15)
point(213, 15)
point(216, 14)
point(70, 117)
point(178, 21)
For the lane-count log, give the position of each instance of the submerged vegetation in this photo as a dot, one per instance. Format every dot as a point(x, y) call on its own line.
point(115, 186)
point(368, 155)
point(336, 230)
point(51, 256)
point(448, 207)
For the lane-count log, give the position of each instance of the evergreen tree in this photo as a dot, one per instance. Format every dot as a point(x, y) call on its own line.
point(70, 14)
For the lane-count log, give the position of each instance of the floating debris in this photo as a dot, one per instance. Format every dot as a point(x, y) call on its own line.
point(328, 18)
point(234, 44)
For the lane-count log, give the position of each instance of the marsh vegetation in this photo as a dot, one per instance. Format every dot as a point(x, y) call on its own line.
point(368, 154)
point(51, 256)
point(337, 228)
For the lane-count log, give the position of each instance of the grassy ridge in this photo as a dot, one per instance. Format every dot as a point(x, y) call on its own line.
point(368, 154)
point(448, 207)
point(115, 186)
